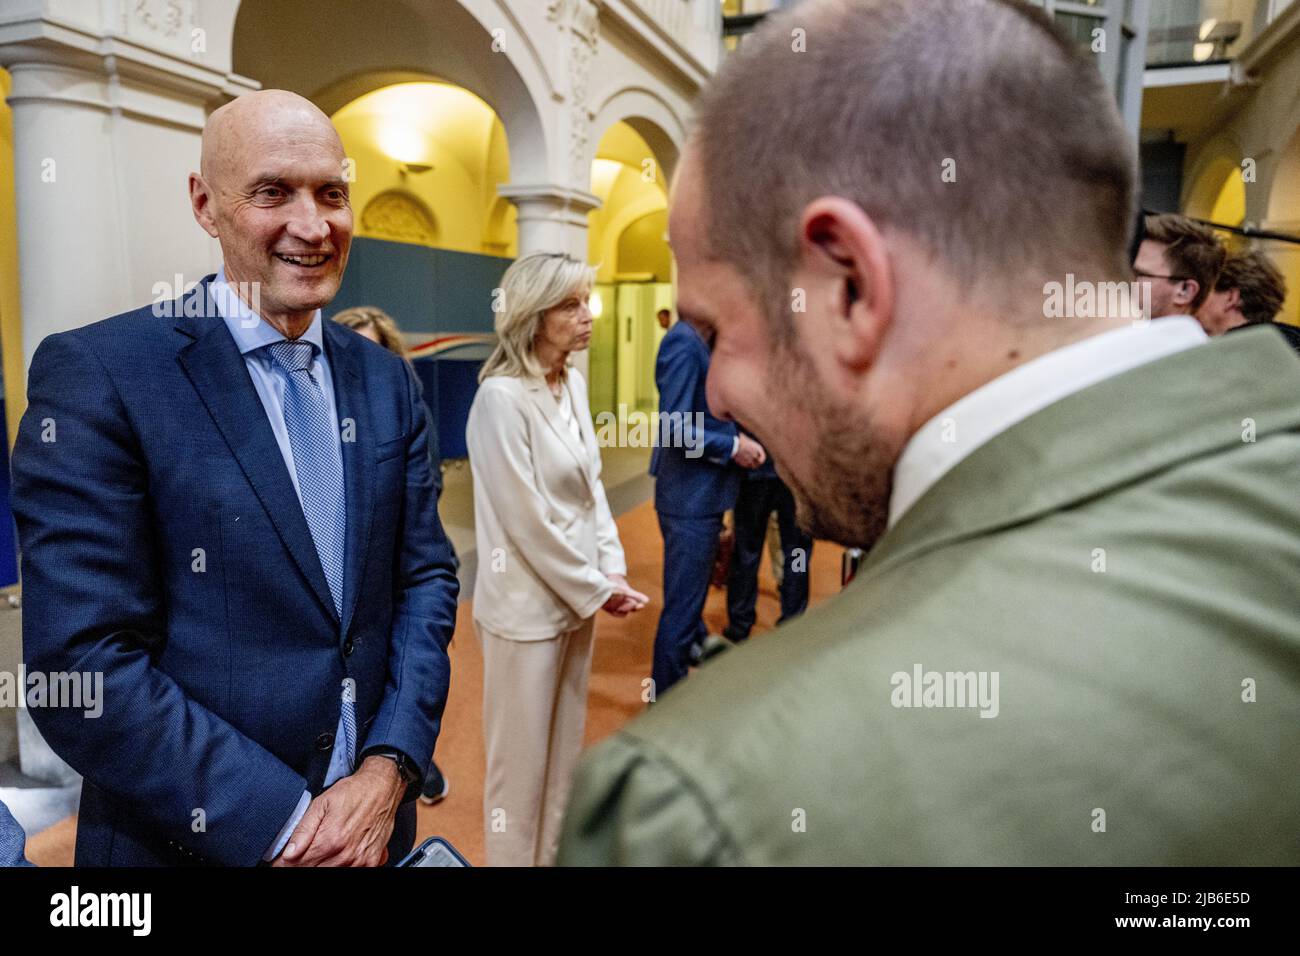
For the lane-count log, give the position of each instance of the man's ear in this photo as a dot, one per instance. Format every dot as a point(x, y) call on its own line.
point(1187, 292)
point(201, 204)
point(843, 255)
point(1232, 300)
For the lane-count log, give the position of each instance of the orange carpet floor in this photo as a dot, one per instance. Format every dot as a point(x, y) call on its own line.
point(621, 661)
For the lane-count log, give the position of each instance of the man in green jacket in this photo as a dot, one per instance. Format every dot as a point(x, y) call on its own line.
point(1076, 638)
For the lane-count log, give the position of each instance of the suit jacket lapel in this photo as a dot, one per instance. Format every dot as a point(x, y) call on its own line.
point(541, 396)
point(358, 458)
point(216, 369)
point(1103, 437)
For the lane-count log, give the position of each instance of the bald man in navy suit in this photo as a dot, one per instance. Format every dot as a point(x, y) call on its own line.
point(226, 508)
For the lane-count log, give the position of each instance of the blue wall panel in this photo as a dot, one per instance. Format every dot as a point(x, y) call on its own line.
point(453, 384)
point(429, 291)
point(425, 290)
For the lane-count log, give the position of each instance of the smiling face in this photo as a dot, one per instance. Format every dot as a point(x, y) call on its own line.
point(272, 192)
point(816, 419)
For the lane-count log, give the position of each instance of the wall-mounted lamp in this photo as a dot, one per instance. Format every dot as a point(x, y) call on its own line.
point(405, 145)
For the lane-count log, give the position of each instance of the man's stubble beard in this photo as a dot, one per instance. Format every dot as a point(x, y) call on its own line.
point(852, 460)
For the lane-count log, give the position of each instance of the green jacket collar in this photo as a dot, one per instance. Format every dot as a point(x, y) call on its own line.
point(1193, 403)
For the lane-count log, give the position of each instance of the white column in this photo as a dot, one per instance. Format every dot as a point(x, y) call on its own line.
point(551, 218)
point(104, 139)
point(72, 260)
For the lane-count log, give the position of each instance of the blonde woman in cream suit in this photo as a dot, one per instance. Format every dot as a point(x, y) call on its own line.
point(549, 556)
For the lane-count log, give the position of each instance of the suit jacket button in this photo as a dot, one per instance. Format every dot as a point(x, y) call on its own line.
point(347, 647)
point(324, 741)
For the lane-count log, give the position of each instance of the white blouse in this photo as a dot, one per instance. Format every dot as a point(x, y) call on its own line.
point(566, 412)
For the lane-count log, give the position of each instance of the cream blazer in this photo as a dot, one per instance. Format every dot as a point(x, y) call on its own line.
point(546, 538)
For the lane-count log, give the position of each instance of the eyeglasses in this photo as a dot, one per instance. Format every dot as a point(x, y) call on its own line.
point(1151, 275)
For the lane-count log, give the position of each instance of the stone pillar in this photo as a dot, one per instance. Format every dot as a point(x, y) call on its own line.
point(72, 261)
point(551, 218)
point(105, 135)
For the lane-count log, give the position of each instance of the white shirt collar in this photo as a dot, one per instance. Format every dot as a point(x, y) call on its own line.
point(248, 328)
point(1010, 398)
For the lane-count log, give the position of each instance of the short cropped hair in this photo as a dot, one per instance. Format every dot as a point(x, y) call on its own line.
point(530, 288)
point(363, 317)
point(1263, 290)
point(1193, 251)
point(974, 127)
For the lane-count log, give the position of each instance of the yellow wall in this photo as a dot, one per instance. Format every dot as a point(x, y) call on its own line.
point(11, 328)
point(626, 239)
point(642, 249)
point(453, 131)
point(628, 180)
point(1230, 206)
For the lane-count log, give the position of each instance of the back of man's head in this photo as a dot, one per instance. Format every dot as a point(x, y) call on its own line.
point(1260, 285)
point(1192, 251)
point(974, 127)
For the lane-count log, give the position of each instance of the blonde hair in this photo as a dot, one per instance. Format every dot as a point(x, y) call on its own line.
point(363, 317)
point(530, 287)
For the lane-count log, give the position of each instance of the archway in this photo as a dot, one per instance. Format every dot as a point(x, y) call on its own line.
point(627, 238)
point(432, 234)
point(356, 48)
point(1218, 192)
point(661, 130)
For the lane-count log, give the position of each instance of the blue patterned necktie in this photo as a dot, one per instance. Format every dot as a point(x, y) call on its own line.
point(316, 460)
point(319, 470)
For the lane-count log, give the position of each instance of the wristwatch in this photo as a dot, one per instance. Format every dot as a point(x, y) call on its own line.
point(405, 765)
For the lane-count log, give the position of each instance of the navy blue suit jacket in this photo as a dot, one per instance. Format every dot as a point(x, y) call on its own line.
point(691, 465)
point(163, 545)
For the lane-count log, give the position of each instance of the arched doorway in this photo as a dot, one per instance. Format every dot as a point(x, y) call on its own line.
point(432, 236)
point(356, 48)
point(627, 239)
point(1218, 193)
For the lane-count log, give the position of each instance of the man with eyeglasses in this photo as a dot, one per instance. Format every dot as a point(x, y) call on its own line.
point(1179, 260)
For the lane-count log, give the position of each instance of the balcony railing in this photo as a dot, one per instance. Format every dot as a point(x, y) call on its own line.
point(1188, 32)
point(694, 25)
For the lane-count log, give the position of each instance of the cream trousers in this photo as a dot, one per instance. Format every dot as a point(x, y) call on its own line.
point(534, 711)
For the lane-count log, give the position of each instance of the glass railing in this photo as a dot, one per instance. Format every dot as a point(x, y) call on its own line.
point(696, 25)
point(1189, 32)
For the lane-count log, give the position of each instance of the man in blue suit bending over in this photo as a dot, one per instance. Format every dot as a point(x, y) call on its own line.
point(226, 509)
point(695, 482)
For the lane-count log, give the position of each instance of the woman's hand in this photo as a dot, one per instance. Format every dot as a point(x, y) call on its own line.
point(624, 600)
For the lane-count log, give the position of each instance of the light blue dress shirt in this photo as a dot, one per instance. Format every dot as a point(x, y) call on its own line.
point(251, 334)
